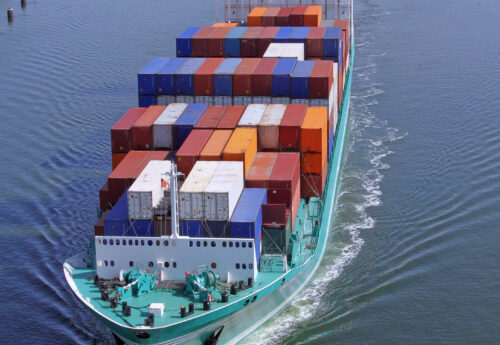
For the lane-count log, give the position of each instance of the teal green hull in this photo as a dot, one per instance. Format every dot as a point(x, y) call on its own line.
point(240, 319)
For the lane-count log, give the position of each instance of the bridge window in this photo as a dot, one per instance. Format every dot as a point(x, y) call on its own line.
point(190, 243)
point(213, 244)
point(244, 244)
point(244, 266)
point(136, 242)
point(205, 243)
point(250, 266)
point(213, 265)
point(106, 263)
point(237, 244)
point(150, 264)
point(150, 243)
point(175, 264)
point(166, 264)
point(131, 263)
point(142, 242)
point(130, 242)
point(111, 242)
point(230, 244)
point(105, 242)
point(250, 245)
point(198, 243)
point(124, 242)
point(224, 244)
point(112, 263)
point(165, 243)
point(157, 243)
point(237, 266)
point(117, 242)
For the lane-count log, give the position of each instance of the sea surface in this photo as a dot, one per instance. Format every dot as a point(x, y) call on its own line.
point(414, 254)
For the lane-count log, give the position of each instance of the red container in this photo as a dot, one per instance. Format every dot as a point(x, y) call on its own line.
point(216, 41)
point(286, 171)
point(262, 77)
point(231, 117)
point(121, 134)
point(274, 215)
point(210, 117)
point(99, 226)
point(128, 170)
point(260, 170)
point(290, 127)
point(248, 42)
point(314, 42)
point(295, 203)
point(279, 196)
point(188, 153)
point(104, 197)
point(204, 77)
point(313, 184)
point(242, 77)
point(269, 17)
point(142, 129)
point(199, 42)
point(297, 16)
point(116, 158)
point(283, 17)
point(344, 24)
point(265, 39)
point(321, 80)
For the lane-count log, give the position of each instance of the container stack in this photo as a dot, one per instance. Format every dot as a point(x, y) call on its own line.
point(285, 16)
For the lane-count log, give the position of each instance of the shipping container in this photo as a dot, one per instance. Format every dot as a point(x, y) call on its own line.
point(344, 24)
point(275, 50)
point(216, 228)
point(312, 162)
point(223, 191)
point(314, 42)
point(242, 77)
point(99, 226)
point(163, 127)
point(262, 99)
point(232, 42)
point(313, 134)
point(200, 41)
point(127, 171)
point(290, 127)
point(300, 80)
point(223, 77)
point(299, 35)
point(165, 99)
point(321, 80)
point(268, 129)
point(148, 76)
point(208, 100)
point(246, 221)
point(215, 145)
point(281, 77)
point(283, 17)
point(252, 115)
point(216, 41)
point(274, 215)
point(166, 76)
point(184, 99)
point(142, 129)
point(248, 42)
point(231, 117)
point(242, 100)
point(191, 194)
point(204, 77)
point(116, 158)
point(262, 77)
point(191, 228)
point(222, 101)
point(210, 118)
point(285, 50)
point(269, 17)
point(286, 171)
point(116, 222)
point(184, 41)
point(140, 227)
point(312, 185)
point(331, 41)
point(283, 35)
point(104, 202)
point(146, 101)
point(280, 100)
point(121, 132)
point(225, 25)
point(255, 16)
point(185, 123)
point(266, 37)
point(184, 76)
point(189, 152)
point(260, 170)
point(313, 16)
point(148, 189)
point(297, 16)
point(242, 146)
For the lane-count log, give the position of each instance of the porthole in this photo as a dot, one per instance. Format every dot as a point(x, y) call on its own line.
point(124, 242)
point(250, 244)
point(213, 265)
point(230, 244)
point(254, 298)
point(244, 266)
point(131, 263)
point(237, 266)
point(237, 244)
point(142, 242)
point(213, 244)
point(244, 244)
point(150, 243)
point(106, 263)
point(205, 243)
point(166, 264)
point(175, 264)
point(130, 242)
point(100, 241)
point(165, 243)
point(224, 244)
point(105, 242)
point(117, 242)
point(246, 302)
point(112, 263)
point(283, 281)
point(136, 242)
point(150, 264)
point(190, 243)
point(250, 266)
point(198, 243)
point(111, 242)
point(157, 243)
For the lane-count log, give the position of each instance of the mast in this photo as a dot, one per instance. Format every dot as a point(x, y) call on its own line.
point(173, 199)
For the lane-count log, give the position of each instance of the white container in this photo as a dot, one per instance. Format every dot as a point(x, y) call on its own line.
point(223, 100)
point(262, 99)
point(147, 190)
point(285, 50)
point(224, 190)
point(242, 100)
point(163, 127)
point(184, 99)
point(208, 100)
point(165, 99)
point(268, 130)
point(252, 115)
point(191, 194)
point(280, 100)
point(274, 50)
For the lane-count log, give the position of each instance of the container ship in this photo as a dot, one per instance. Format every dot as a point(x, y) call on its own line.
point(220, 202)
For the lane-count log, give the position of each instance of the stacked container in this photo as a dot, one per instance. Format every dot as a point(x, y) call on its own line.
point(121, 134)
point(200, 41)
point(184, 41)
point(242, 146)
point(204, 77)
point(188, 154)
point(260, 170)
point(268, 129)
point(142, 129)
point(163, 127)
point(147, 80)
point(215, 145)
point(231, 117)
point(186, 121)
point(290, 128)
point(210, 117)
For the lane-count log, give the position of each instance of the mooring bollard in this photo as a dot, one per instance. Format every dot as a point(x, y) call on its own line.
point(10, 14)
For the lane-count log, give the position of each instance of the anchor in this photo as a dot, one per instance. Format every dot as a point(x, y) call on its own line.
point(214, 337)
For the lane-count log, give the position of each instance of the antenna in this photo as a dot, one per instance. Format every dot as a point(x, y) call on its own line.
point(173, 174)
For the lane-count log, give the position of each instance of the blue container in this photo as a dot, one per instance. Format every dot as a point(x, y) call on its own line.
point(141, 227)
point(300, 79)
point(331, 41)
point(232, 41)
point(223, 77)
point(246, 221)
point(299, 35)
point(216, 228)
point(191, 228)
point(184, 76)
point(183, 41)
point(283, 34)
point(185, 123)
point(147, 100)
point(147, 77)
point(116, 222)
point(280, 81)
point(166, 76)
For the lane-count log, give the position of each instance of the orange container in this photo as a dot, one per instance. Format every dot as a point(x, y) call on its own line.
point(255, 17)
point(215, 145)
point(312, 162)
point(116, 158)
point(225, 25)
point(260, 170)
point(242, 146)
point(313, 16)
point(313, 132)
point(269, 17)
